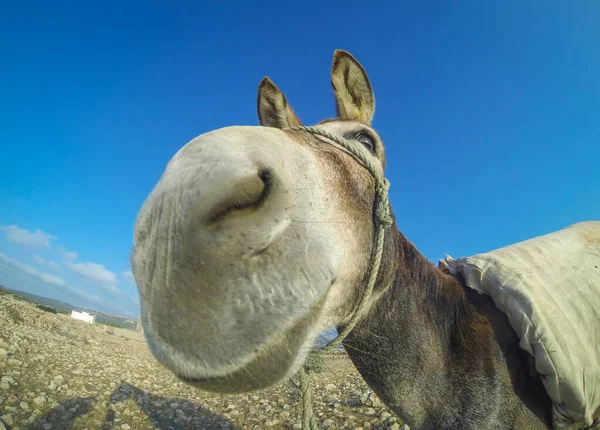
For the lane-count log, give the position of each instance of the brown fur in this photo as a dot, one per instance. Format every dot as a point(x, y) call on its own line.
point(442, 356)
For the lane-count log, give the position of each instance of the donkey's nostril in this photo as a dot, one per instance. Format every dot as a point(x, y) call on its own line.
point(267, 177)
point(248, 193)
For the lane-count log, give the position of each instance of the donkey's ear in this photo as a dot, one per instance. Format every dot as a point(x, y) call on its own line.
point(354, 97)
point(273, 108)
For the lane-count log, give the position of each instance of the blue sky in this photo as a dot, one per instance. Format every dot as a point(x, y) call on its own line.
point(490, 112)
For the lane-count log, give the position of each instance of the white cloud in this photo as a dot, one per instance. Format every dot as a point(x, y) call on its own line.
point(49, 279)
point(53, 280)
point(127, 276)
point(45, 262)
point(67, 255)
point(21, 236)
point(95, 273)
point(23, 267)
point(36, 239)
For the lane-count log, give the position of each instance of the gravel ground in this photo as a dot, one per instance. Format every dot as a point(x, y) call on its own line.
point(59, 373)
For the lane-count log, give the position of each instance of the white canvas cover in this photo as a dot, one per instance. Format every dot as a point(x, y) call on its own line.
point(549, 287)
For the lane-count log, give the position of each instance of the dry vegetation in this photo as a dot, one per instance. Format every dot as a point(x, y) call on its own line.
point(58, 373)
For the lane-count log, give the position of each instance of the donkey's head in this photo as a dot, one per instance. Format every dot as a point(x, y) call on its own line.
point(255, 239)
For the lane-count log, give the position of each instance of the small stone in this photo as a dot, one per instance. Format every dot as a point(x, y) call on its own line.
point(14, 362)
point(58, 380)
point(47, 426)
point(328, 422)
point(39, 401)
point(375, 401)
point(4, 386)
point(125, 426)
point(385, 415)
point(52, 386)
point(8, 419)
point(24, 406)
point(370, 411)
point(404, 427)
point(174, 405)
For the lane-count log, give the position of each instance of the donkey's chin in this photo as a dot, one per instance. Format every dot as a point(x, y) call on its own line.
point(276, 361)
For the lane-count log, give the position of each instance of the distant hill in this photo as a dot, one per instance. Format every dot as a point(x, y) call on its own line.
point(101, 317)
point(104, 318)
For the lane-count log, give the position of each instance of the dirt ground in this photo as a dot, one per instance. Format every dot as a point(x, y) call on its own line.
point(59, 373)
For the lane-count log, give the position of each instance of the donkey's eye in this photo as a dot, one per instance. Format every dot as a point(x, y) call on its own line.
point(366, 140)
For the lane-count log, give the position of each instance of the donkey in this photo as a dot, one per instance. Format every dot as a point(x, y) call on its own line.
point(257, 238)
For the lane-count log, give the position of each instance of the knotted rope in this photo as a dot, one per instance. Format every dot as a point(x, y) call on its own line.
point(383, 220)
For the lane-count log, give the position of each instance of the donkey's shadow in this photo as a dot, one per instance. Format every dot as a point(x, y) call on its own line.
point(64, 415)
point(165, 413)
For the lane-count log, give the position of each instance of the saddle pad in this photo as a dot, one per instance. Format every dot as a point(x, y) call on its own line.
point(549, 287)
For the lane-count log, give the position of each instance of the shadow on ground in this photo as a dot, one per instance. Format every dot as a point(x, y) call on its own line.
point(165, 413)
point(64, 415)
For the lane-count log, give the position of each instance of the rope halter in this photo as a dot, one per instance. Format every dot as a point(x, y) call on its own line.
point(383, 220)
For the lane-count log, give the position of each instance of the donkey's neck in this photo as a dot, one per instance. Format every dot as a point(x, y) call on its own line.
point(431, 350)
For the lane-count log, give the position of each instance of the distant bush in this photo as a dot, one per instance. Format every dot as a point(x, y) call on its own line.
point(112, 324)
point(47, 309)
point(22, 299)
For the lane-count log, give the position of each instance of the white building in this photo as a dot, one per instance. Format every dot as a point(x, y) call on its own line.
point(83, 316)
